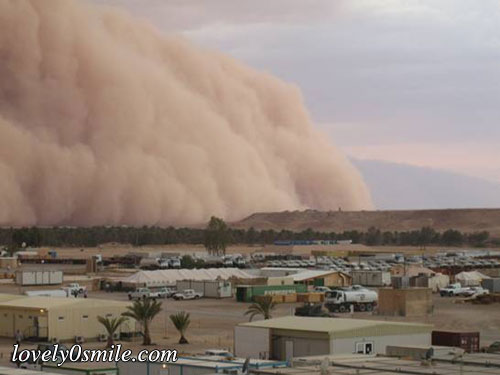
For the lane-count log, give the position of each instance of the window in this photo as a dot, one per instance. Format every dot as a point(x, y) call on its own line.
point(61, 318)
point(109, 315)
point(20, 316)
point(85, 316)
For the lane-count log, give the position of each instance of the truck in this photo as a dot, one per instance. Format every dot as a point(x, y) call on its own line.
point(476, 292)
point(74, 289)
point(143, 293)
point(187, 294)
point(343, 300)
point(454, 290)
point(166, 292)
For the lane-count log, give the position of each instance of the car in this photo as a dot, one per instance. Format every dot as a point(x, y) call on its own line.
point(218, 353)
point(187, 294)
point(453, 290)
point(143, 293)
point(166, 292)
point(74, 288)
point(475, 292)
point(493, 348)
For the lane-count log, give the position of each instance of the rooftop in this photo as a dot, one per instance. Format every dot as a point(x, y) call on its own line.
point(38, 302)
point(340, 327)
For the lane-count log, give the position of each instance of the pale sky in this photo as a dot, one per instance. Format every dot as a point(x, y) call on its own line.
point(407, 81)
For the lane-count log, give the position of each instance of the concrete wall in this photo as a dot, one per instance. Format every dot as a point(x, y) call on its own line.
point(380, 343)
point(253, 342)
point(302, 347)
point(405, 302)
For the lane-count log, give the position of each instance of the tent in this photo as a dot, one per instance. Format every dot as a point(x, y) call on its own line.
point(473, 278)
point(162, 278)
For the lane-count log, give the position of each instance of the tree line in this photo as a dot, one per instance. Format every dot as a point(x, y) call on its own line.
point(217, 235)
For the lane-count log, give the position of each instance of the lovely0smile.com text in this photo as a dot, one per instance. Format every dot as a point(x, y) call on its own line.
point(77, 354)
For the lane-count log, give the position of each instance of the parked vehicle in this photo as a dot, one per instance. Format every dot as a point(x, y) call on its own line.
point(74, 288)
point(342, 300)
point(453, 290)
point(166, 292)
point(494, 348)
point(175, 263)
point(143, 293)
point(475, 291)
point(187, 294)
point(219, 353)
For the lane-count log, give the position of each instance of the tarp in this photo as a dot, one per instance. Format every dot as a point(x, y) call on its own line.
point(471, 278)
point(170, 277)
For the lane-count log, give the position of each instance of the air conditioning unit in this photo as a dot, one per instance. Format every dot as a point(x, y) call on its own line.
point(79, 339)
point(102, 337)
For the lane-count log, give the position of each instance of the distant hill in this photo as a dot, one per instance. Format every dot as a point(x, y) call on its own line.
point(465, 220)
point(401, 186)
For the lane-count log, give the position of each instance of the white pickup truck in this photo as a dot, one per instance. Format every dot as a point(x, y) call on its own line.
point(143, 293)
point(454, 290)
point(187, 294)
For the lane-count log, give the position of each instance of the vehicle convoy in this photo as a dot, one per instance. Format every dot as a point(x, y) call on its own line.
point(454, 290)
point(187, 294)
point(342, 300)
point(143, 293)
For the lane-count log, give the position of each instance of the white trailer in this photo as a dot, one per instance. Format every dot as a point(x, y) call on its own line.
point(209, 288)
point(34, 277)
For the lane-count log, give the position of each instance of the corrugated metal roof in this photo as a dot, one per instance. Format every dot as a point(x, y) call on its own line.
point(54, 302)
point(341, 328)
point(311, 274)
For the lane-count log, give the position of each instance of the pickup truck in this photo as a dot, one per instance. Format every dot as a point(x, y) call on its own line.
point(187, 294)
point(166, 292)
point(143, 293)
point(476, 291)
point(73, 288)
point(453, 290)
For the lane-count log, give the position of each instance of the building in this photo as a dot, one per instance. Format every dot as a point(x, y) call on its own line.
point(247, 293)
point(64, 319)
point(313, 278)
point(405, 302)
point(371, 278)
point(210, 289)
point(288, 337)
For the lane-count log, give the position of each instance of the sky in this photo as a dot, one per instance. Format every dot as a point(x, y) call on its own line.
point(406, 81)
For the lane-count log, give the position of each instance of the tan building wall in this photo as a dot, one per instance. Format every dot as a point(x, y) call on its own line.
point(405, 302)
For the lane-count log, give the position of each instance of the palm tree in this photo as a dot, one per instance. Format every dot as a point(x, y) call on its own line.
point(111, 326)
point(263, 307)
point(144, 311)
point(181, 322)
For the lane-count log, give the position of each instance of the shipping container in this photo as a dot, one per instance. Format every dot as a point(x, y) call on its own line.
point(210, 289)
point(468, 341)
point(246, 293)
point(33, 277)
point(493, 285)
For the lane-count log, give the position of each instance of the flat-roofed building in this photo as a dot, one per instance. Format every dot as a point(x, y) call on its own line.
point(288, 337)
point(64, 319)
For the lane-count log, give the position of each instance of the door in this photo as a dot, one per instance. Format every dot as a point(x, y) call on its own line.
point(365, 347)
point(288, 350)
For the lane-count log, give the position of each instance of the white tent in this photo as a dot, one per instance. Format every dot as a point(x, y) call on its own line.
point(170, 277)
point(473, 278)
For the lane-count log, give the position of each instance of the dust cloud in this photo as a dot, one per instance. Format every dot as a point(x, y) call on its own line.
point(104, 120)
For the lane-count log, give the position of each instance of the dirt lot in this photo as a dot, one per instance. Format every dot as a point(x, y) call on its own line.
point(212, 322)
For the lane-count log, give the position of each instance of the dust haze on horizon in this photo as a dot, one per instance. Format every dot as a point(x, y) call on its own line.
point(106, 121)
